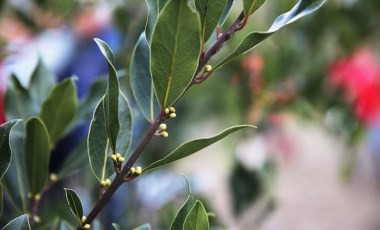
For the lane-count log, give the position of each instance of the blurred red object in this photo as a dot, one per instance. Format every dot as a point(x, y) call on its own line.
point(359, 77)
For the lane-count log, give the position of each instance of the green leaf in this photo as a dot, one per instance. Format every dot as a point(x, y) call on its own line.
point(250, 6)
point(5, 149)
point(111, 97)
point(37, 154)
point(180, 217)
point(18, 102)
point(15, 179)
point(19, 223)
point(59, 109)
point(143, 227)
point(226, 11)
point(74, 203)
point(41, 82)
point(301, 9)
point(210, 12)
point(193, 146)
point(197, 218)
point(153, 9)
point(175, 49)
point(141, 80)
point(125, 134)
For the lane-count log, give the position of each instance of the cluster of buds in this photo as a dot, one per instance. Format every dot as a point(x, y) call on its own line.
point(35, 197)
point(105, 183)
point(83, 220)
point(117, 158)
point(161, 130)
point(170, 112)
point(135, 171)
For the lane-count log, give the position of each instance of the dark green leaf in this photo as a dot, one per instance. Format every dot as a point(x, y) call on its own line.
point(175, 50)
point(98, 145)
point(153, 9)
point(18, 102)
point(197, 218)
point(5, 149)
point(19, 223)
point(111, 98)
point(194, 146)
point(59, 108)
point(180, 217)
point(226, 11)
point(143, 227)
point(41, 82)
point(250, 6)
point(210, 12)
point(301, 9)
point(15, 179)
point(37, 154)
point(141, 80)
point(74, 203)
point(125, 134)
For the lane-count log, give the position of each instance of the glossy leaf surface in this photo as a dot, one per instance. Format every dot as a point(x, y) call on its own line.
point(226, 11)
point(175, 50)
point(194, 146)
point(301, 9)
point(19, 223)
point(250, 6)
point(74, 203)
point(59, 108)
point(141, 80)
point(210, 12)
point(111, 97)
point(5, 148)
point(37, 154)
point(197, 219)
point(41, 82)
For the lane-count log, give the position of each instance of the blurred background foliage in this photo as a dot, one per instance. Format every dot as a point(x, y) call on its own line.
point(323, 69)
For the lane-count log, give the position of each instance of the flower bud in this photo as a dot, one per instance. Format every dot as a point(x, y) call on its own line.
point(53, 177)
point(83, 219)
point(172, 110)
point(121, 159)
point(208, 68)
point(132, 170)
point(102, 183)
point(163, 126)
point(37, 197)
point(118, 155)
point(164, 134)
point(167, 111)
point(172, 115)
point(37, 219)
point(138, 170)
point(113, 157)
point(108, 182)
point(86, 226)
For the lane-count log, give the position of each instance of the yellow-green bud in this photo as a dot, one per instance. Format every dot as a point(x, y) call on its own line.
point(117, 156)
point(164, 134)
point(113, 157)
point(37, 219)
point(108, 182)
point(163, 126)
point(83, 219)
point(172, 110)
point(132, 170)
point(172, 115)
point(121, 159)
point(208, 68)
point(86, 226)
point(138, 170)
point(53, 177)
point(37, 197)
point(167, 111)
point(102, 183)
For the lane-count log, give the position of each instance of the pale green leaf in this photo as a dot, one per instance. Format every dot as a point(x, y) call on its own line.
point(143, 227)
point(175, 50)
point(194, 146)
point(250, 6)
point(15, 180)
point(301, 9)
point(59, 109)
point(111, 97)
point(41, 82)
point(210, 12)
point(37, 154)
point(5, 149)
point(182, 213)
point(19, 223)
point(18, 101)
point(197, 219)
point(141, 80)
point(74, 203)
